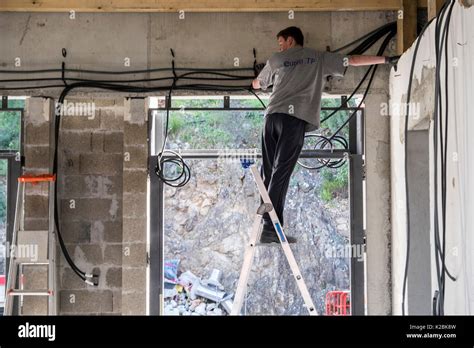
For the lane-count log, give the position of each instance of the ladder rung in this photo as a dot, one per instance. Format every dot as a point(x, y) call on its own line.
point(32, 263)
point(18, 292)
point(37, 178)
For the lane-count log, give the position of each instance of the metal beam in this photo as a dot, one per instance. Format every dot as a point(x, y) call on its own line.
point(196, 5)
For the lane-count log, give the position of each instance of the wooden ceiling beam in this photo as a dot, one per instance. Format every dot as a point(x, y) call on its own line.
point(196, 5)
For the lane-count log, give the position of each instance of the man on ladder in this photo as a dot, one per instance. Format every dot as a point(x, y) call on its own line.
point(297, 75)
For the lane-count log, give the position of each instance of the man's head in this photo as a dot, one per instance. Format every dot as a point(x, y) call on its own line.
point(290, 37)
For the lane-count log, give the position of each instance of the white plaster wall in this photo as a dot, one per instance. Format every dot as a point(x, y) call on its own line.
point(460, 159)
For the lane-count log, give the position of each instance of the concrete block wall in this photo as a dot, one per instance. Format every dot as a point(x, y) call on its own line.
point(90, 178)
point(134, 261)
point(102, 185)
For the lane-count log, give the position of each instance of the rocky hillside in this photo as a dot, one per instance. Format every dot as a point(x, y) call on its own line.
point(207, 225)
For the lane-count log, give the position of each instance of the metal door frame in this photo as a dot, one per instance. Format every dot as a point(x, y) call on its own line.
point(355, 155)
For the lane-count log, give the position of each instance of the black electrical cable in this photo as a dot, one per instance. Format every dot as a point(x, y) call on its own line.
point(369, 84)
point(437, 107)
point(444, 270)
point(438, 129)
point(363, 37)
point(184, 172)
point(324, 142)
point(121, 72)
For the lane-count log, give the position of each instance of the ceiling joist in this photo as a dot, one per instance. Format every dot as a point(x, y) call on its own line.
point(198, 5)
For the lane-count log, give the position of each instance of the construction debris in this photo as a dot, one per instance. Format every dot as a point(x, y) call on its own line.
point(188, 295)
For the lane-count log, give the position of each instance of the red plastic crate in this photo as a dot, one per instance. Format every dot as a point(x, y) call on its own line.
point(338, 303)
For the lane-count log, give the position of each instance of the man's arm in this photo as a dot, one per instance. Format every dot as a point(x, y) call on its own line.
point(370, 60)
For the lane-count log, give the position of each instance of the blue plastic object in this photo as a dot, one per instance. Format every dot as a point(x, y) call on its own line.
point(246, 163)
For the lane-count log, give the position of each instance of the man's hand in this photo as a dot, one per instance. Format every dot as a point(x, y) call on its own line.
point(256, 84)
point(392, 60)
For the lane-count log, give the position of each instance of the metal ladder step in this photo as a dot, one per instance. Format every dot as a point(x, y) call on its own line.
point(18, 292)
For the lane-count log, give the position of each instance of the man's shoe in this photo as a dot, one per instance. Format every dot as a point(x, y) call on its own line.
point(269, 236)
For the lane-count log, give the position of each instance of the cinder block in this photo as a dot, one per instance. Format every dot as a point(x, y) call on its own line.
point(84, 301)
point(35, 305)
point(135, 134)
point(37, 134)
point(113, 231)
point(111, 186)
point(80, 122)
point(104, 102)
point(117, 301)
point(36, 207)
point(135, 181)
point(77, 186)
point(112, 119)
point(113, 254)
point(34, 112)
point(113, 142)
point(134, 255)
point(37, 157)
point(135, 157)
point(35, 277)
point(134, 279)
point(114, 277)
point(134, 205)
point(119, 102)
point(89, 253)
point(98, 163)
point(40, 189)
point(97, 142)
point(70, 280)
point(76, 231)
point(134, 230)
point(69, 163)
point(36, 224)
point(89, 209)
point(135, 110)
point(77, 141)
point(134, 303)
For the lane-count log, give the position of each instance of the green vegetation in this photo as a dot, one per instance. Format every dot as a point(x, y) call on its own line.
point(335, 181)
point(215, 129)
point(10, 122)
point(3, 203)
point(9, 130)
point(237, 129)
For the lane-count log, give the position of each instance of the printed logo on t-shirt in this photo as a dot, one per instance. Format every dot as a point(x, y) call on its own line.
point(309, 60)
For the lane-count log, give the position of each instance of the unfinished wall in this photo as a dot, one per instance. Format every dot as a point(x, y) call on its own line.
point(104, 41)
point(459, 298)
point(91, 164)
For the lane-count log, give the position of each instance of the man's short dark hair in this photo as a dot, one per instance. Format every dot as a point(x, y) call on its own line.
point(294, 32)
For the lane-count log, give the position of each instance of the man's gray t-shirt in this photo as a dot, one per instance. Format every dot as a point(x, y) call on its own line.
point(298, 76)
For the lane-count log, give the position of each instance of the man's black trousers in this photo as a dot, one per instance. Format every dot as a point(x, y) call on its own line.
point(282, 141)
